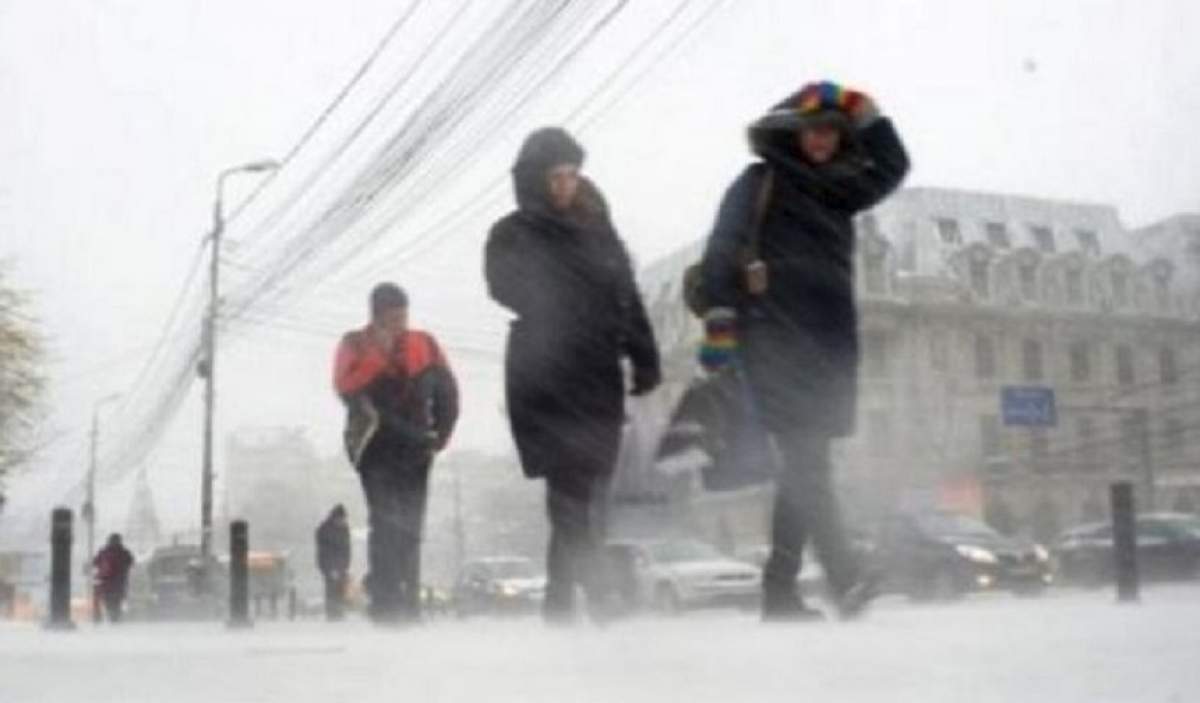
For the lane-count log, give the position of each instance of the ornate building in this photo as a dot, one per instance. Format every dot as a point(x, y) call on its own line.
point(962, 294)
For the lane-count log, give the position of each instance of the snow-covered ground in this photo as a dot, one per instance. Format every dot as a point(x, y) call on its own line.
point(1076, 647)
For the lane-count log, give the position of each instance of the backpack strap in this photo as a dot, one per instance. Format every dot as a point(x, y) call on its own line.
point(761, 202)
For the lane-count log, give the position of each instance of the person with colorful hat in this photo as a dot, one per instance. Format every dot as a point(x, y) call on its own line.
point(786, 314)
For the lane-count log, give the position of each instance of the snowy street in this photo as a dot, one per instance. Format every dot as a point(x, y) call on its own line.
point(1065, 647)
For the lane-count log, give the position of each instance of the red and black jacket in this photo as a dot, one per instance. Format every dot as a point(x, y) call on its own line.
point(407, 399)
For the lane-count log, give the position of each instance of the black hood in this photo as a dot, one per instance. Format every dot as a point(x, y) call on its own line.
point(543, 149)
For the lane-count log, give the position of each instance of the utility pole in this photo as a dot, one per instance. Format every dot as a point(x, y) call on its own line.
point(89, 504)
point(208, 363)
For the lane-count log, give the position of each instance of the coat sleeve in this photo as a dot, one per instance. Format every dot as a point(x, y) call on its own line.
point(504, 268)
point(445, 395)
point(886, 165)
point(355, 367)
point(720, 266)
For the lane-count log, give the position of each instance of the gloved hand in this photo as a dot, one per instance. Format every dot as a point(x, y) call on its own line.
point(645, 380)
point(720, 339)
point(827, 95)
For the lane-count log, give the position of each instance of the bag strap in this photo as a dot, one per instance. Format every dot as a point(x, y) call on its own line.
point(761, 202)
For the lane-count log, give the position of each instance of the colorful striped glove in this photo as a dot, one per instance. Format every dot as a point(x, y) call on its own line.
point(720, 339)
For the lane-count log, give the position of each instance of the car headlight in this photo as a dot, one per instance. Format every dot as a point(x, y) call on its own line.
point(1041, 553)
point(978, 555)
point(509, 591)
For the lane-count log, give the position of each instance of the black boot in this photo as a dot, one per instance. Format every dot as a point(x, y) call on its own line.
point(787, 606)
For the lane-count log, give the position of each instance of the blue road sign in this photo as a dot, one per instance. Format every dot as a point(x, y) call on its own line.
point(1028, 406)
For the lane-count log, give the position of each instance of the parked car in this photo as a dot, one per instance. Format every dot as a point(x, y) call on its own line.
point(499, 585)
point(1168, 548)
point(174, 583)
point(674, 575)
point(942, 555)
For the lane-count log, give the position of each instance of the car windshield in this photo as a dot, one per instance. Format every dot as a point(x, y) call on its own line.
point(684, 551)
point(954, 524)
point(512, 569)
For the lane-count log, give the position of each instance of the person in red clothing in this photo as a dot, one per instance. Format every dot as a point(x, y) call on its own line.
point(402, 404)
point(112, 565)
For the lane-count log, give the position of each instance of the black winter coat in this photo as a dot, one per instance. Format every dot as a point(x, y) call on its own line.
point(568, 278)
point(333, 546)
point(800, 339)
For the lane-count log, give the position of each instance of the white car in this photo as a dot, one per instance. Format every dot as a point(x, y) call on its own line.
point(675, 575)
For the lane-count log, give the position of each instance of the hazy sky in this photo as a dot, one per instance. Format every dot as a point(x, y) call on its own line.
point(120, 114)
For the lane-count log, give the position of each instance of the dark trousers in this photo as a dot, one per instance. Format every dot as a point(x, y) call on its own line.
point(395, 482)
point(335, 594)
point(806, 508)
point(113, 600)
point(575, 506)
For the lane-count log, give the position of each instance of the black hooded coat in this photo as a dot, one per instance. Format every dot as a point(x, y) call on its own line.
point(799, 340)
point(569, 280)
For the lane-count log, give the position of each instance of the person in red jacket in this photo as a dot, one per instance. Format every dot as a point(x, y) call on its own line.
point(402, 404)
point(112, 565)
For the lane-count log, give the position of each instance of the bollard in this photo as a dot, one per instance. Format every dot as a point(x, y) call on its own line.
point(60, 570)
point(1124, 541)
point(239, 574)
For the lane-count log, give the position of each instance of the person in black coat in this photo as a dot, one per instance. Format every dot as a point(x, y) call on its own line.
point(333, 560)
point(557, 263)
point(788, 316)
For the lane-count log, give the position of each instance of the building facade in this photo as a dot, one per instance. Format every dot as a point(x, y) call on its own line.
point(963, 294)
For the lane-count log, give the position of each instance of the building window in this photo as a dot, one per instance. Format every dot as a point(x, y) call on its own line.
point(1044, 238)
point(997, 235)
point(979, 279)
point(1028, 276)
point(875, 356)
point(1162, 293)
point(868, 225)
point(949, 232)
point(874, 277)
point(1174, 436)
point(1031, 360)
point(1086, 431)
point(985, 357)
point(1074, 287)
point(1120, 287)
point(1088, 242)
point(1124, 357)
point(1131, 436)
point(991, 441)
point(1081, 361)
point(879, 433)
point(1168, 367)
point(939, 356)
point(1039, 444)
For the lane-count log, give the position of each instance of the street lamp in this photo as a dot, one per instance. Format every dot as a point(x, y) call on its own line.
point(89, 504)
point(207, 367)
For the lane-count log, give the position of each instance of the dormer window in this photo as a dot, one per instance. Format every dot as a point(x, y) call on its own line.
point(1043, 237)
point(997, 235)
point(949, 231)
point(1088, 242)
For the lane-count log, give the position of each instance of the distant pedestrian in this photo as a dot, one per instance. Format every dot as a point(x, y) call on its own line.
point(111, 568)
point(558, 264)
point(787, 315)
point(402, 405)
point(333, 560)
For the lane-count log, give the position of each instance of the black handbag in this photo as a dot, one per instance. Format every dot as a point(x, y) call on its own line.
point(717, 425)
